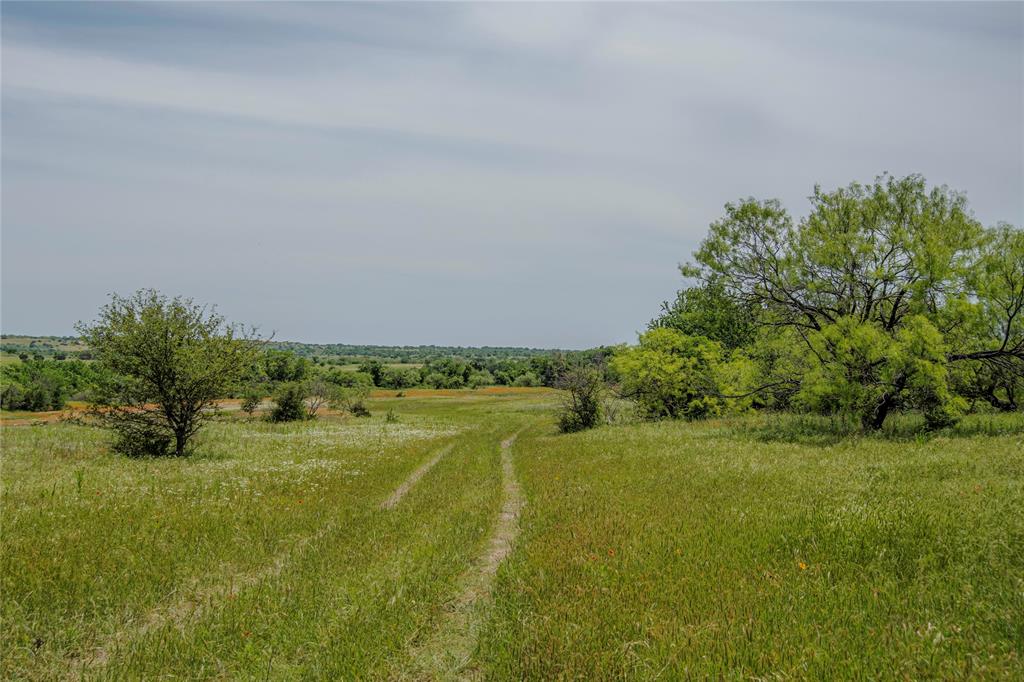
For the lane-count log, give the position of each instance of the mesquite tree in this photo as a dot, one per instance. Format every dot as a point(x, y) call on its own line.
point(879, 294)
point(169, 360)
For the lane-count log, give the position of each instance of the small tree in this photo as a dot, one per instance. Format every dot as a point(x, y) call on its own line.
point(350, 399)
point(319, 392)
point(583, 387)
point(168, 360)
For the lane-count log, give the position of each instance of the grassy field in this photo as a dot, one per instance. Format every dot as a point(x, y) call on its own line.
point(763, 547)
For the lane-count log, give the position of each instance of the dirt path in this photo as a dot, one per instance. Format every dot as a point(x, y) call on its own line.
point(414, 477)
point(196, 603)
point(445, 654)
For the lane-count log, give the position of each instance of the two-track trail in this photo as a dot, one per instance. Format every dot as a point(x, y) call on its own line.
point(445, 653)
point(193, 605)
point(414, 477)
point(196, 602)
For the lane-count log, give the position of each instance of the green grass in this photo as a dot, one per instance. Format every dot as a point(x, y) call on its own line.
point(709, 551)
point(759, 547)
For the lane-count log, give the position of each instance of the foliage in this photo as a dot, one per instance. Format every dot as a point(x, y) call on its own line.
point(359, 409)
point(319, 392)
point(375, 369)
point(347, 379)
point(670, 374)
point(857, 369)
point(526, 380)
point(251, 399)
point(880, 289)
point(399, 377)
point(167, 361)
point(289, 403)
point(582, 393)
point(480, 379)
point(38, 385)
point(706, 310)
point(352, 399)
point(282, 366)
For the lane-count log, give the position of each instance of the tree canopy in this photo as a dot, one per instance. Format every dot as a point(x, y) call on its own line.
point(886, 295)
point(167, 361)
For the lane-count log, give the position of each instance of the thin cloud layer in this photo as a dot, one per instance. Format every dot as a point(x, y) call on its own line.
point(471, 174)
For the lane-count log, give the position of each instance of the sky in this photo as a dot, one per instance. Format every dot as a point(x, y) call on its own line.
point(464, 174)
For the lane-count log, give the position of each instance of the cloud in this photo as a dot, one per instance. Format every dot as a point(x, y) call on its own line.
point(399, 172)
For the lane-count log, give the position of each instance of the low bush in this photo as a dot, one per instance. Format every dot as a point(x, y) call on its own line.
point(289, 403)
point(583, 388)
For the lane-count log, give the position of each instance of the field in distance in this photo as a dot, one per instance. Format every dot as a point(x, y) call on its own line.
point(376, 548)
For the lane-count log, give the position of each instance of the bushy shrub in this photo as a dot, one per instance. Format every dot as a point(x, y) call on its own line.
point(670, 374)
point(480, 379)
point(143, 439)
point(289, 403)
point(526, 380)
point(859, 369)
point(399, 377)
point(251, 399)
point(359, 409)
point(348, 379)
point(583, 388)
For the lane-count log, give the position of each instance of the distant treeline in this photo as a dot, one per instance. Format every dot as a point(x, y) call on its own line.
point(61, 347)
point(341, 353)
point(452, 371)
point(48, 377)
point(39, 385)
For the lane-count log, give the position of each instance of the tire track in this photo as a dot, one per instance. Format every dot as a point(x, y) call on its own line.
point(447, 652)
point(414, 478)
point(191, 607)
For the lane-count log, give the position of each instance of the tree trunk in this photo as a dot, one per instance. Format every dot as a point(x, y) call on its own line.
point(876, 417)
point(180, 438)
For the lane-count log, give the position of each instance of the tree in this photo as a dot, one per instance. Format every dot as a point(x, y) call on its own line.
point(319, 392)
point(168, 360)
point(399, 377)
point(881, 287)
point(480, 379)
point(707, 310)
point(989, 330)
point(374, 368)
point(284, 366)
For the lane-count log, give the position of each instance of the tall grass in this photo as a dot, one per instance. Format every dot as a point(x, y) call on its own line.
point(747, 549)
point(773, 546)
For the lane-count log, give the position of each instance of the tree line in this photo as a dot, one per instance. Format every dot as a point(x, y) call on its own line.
point(885, 297)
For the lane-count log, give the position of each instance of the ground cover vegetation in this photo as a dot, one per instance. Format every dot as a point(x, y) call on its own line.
point(750, 546)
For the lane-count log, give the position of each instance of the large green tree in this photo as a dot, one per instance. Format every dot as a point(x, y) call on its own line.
point(168, 359)
point(879, 293)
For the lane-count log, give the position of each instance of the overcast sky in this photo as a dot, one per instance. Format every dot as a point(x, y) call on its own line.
point(471, 174)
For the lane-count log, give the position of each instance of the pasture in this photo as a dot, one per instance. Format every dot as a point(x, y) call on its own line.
point(765, 546)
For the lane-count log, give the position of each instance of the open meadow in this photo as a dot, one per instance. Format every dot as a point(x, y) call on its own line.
point(429, 545)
